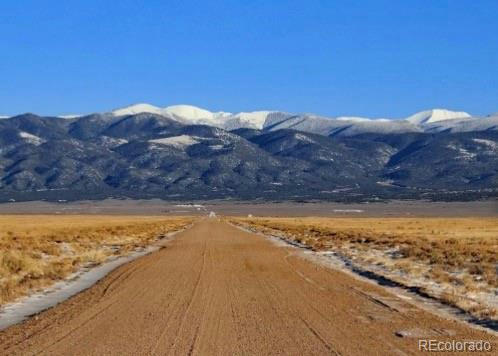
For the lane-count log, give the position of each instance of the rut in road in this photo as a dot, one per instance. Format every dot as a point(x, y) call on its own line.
point(217, 290)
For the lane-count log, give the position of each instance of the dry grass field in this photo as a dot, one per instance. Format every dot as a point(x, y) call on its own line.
point(453, 259)
point(37, 250)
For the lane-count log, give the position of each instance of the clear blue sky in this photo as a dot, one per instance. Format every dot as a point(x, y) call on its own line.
point(371, 58)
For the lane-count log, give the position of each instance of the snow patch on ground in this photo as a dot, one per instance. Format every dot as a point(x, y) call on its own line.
point(491, 144)
point(386, 183)
point(304, 138)
point(35, 140)
point(463, 153)
point(176, 141)
point(112, 142)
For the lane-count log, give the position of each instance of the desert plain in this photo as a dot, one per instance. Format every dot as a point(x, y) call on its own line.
point(292, 278)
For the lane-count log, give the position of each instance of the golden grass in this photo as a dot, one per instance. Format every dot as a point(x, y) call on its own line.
point(37, 250)
point(457, 252)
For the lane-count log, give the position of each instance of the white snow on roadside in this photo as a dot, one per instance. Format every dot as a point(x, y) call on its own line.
point(354, 266)
point(16, 312)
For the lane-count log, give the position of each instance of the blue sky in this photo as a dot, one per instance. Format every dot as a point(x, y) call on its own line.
point(370, 58)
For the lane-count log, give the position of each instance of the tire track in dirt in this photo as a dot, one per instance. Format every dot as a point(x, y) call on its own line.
point(192, 297)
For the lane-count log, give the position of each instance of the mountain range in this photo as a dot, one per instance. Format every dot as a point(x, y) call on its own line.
point(183, 152)
point(435, 120)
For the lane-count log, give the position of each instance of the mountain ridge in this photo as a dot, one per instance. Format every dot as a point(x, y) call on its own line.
point(433, 120)
point(293, 157)
point(427, 120)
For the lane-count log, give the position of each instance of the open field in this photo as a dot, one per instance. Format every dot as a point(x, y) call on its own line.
point(37, 250)
point(453, 259)
point(419, 208)
point(217, 290)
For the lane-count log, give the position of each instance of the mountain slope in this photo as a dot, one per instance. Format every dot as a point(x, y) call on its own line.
point(448, 162)
point(151, 155)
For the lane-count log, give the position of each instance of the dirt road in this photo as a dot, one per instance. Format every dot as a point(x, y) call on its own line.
point(216, 290)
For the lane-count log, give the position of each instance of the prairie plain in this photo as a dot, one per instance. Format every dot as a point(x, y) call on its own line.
point(215, 289)
point(37, 250)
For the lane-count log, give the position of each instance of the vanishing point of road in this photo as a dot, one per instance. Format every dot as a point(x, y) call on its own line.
point(217, 290)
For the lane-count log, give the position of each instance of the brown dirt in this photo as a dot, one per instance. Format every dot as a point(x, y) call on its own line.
point(459, 254)
point(216, 290)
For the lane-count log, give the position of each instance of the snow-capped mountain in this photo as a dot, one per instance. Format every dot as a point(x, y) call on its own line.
point(436, 115)
point(195, 114)
point(464, 125)
point(434, 120)
point(253, 120)
point(188, 114)
point(339, 127)
point(137, 109)
point(267, 154)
